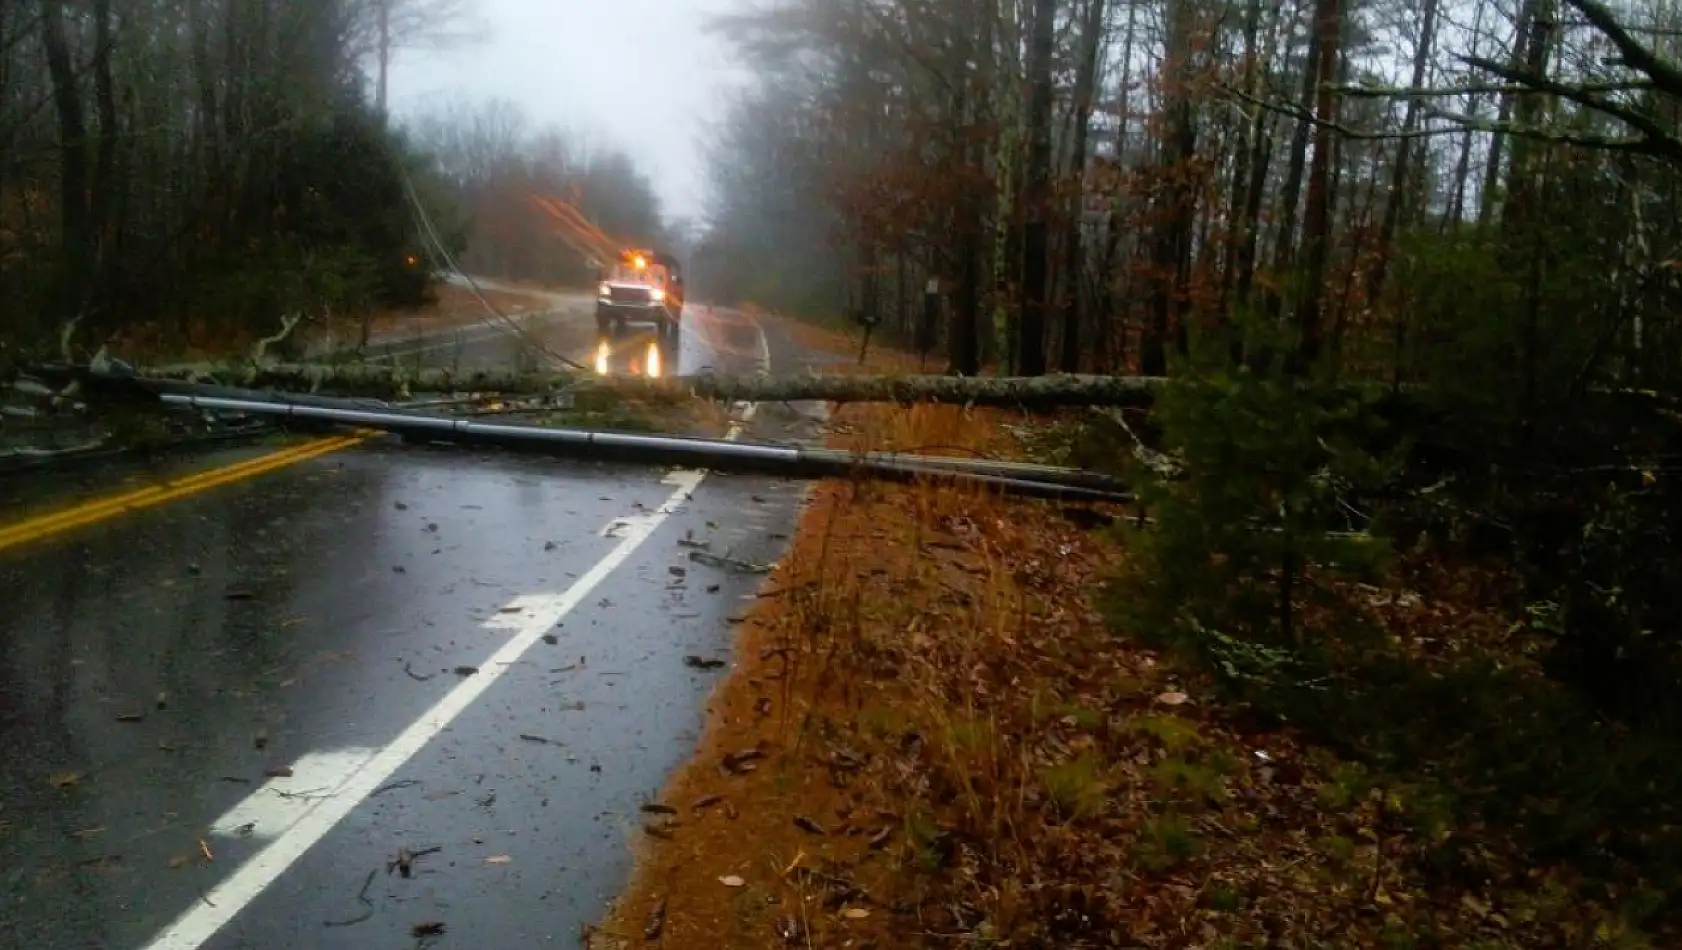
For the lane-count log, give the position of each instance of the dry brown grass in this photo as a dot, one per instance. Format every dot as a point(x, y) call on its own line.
point(931, 738)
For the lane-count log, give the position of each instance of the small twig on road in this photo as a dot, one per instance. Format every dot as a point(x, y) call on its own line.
point(362, 896)
point(416, 676)
point(394, 786)
point(728, 563)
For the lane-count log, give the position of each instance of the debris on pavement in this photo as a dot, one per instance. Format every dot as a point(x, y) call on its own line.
point(430, 928)
point(702, 663)
point(362, 898)
point(656, 922)
point(729, 563)
point(404, 863)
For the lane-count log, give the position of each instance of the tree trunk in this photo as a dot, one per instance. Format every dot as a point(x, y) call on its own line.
point(102, 190)
point(385, 381)
point(1328, 24)
point(383, 12)
point(76, 238)
point(1497, 140)
point(1074, 261)
point(1030, 324)
point(1290, 198)
point(1400, 201)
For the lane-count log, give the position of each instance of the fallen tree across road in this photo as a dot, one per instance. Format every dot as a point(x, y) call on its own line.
point(386, 382)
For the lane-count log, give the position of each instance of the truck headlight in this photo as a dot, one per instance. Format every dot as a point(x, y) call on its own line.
point(603, 290)
point(657, 295)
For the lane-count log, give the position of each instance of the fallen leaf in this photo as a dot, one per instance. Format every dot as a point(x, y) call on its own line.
point(279, 771)
point(809, 825)
point(655, 808)
point(1173, 699)
point(740, 762)
point(656, 922)
point(731, 880)
point(430, 928)
point(700, 663)
point(855, 913)
point(63, 780)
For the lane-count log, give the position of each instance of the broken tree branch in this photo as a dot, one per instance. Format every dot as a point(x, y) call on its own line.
point(287, 324)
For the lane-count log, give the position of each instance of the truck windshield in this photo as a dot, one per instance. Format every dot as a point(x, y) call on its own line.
point(651, 275)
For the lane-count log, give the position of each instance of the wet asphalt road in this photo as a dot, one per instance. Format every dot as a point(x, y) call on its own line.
point(479, 654)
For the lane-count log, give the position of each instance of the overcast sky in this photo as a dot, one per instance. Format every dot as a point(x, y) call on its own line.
point(637, 74)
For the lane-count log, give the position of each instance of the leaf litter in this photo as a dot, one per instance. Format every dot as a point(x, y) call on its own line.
point(1008, 770)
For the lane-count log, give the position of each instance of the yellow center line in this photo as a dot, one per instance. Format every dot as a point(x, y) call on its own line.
point(101, 509)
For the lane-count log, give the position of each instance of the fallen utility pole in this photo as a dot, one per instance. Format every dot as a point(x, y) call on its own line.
point(716, 454)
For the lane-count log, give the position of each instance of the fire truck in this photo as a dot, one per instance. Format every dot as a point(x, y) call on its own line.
point(641, 286)
point(634, 284)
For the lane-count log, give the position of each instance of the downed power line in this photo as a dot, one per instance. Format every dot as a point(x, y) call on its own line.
point(716, 454)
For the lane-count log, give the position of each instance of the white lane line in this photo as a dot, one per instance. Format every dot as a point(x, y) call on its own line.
point(538, 614)
point(280, 802)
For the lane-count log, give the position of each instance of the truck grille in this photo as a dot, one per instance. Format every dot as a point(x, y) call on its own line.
point(638, 295)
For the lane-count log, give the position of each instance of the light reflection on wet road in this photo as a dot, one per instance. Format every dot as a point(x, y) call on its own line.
point(156, 670)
